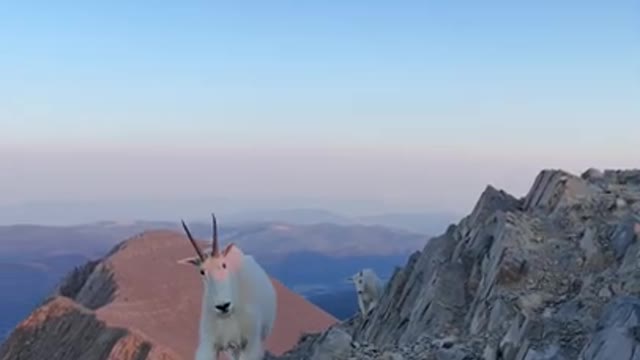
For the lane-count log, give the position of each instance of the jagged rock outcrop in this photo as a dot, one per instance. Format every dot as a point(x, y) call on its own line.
point(554, 275)
point(138, 303)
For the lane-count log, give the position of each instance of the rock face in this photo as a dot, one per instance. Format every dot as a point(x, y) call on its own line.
point(554, 275)
point(138, 303)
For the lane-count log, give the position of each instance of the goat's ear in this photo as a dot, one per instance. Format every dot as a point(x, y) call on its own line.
point(227, 249)
point(194, 260)
point(636, 229)
point(233, 257)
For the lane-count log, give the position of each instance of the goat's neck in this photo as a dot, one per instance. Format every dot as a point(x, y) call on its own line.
point(205, 314)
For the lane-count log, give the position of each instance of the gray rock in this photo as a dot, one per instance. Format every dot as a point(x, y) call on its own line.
point(388, 355)
point(428, 295)
point(593, 174)
point(621, 203)
point(334, 343)
point(553, 352)
point(623, 236)
point(555, 187)
point(615, 337)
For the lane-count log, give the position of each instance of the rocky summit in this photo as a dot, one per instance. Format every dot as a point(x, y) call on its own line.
point(554, 275)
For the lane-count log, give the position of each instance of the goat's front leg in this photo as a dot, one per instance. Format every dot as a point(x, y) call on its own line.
point(372, 305)
point(234, 355)
point(361, 305)
point(253, 351)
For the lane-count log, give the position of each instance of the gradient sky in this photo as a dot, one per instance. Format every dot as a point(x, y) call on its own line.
point(410, 105)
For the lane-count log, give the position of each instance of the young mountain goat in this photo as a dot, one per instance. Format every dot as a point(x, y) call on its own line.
point(238, 302)
point(369, 288)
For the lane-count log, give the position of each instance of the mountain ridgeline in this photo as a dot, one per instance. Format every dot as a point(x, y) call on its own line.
point(551, 276)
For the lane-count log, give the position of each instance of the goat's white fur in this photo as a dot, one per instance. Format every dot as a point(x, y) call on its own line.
point(250, 322)
point(368, 288)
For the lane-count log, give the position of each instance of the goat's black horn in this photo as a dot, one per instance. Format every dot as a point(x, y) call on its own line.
point(214, 245)
point(193, 242)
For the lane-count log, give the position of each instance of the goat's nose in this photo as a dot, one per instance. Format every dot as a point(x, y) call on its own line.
point(223, 307)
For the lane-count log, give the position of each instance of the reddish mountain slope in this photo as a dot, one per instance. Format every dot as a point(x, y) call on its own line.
point(144, 305)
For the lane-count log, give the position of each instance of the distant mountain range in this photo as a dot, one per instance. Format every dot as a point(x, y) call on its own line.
point(132, 211)
point(24, 242)
point(421, 222)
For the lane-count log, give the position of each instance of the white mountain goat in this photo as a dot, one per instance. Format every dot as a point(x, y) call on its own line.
point(369, 288)
point(238, 302)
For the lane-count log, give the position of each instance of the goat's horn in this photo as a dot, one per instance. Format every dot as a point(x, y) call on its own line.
point(214, 245)
point(193, 242)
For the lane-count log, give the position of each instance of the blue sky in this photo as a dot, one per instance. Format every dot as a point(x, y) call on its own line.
point(455, 80)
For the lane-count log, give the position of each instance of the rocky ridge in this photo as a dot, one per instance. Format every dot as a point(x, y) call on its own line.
point(554, 275)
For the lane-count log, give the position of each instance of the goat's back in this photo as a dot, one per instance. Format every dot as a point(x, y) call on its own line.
point(372, 283)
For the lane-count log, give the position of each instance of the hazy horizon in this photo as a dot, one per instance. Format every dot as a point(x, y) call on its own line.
point(353, 107)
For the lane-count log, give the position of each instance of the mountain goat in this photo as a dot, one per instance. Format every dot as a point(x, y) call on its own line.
point(369, 288)
point(238, 302)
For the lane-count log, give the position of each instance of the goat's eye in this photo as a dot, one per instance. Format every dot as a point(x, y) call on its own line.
point(201, 272)
point(224, 265)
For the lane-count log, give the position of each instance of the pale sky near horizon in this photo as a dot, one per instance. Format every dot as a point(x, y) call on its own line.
point(410, 104)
